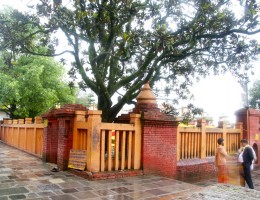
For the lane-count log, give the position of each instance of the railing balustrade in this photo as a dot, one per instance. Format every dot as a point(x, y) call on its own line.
point(115, 146)
point(211, 143)
point(201, 142)
point(26, 135)
point(190, 144)
point(233, 142)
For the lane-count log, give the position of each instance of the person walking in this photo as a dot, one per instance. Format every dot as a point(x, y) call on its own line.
point(247, 157)
point(220, 161)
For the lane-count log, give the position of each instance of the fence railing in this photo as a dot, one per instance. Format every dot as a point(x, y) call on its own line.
point(23, 134)
point(189, 144)
point(201, 142)
point(110, 146)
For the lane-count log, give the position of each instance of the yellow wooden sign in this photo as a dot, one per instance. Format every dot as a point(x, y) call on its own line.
point(78, 159)
point(45, 122)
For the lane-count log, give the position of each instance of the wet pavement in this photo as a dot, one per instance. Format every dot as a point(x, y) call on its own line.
point(23, 176)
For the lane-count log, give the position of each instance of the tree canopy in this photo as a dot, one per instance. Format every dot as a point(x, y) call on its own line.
point(186, 115)
point(118, 45)
point(87, 100)
point(254, 95)
point(31, 86)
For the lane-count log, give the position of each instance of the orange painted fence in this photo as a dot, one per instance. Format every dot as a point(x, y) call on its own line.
point(23, 134)
point(110, 146)
point(201, 142)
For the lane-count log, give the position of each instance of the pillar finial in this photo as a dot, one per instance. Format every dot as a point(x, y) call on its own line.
point(146, 95)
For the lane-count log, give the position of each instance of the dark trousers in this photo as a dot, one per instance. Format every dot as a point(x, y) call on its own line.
point(247, 175)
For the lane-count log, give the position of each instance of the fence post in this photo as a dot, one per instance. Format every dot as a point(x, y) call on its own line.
point(80, 116)
point(93, 142)
point(203, 139)
point(20, 121)
point(239, 125)
point(136, 120)
point(178, 144)
point(224, 136)
point(37, 120)
point(28, 120)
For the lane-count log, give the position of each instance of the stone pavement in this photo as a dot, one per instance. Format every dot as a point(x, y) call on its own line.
point(23, 176)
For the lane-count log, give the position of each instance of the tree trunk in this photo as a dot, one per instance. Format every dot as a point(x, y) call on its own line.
point(105, 107)
point(109, 112)
point(12, 109)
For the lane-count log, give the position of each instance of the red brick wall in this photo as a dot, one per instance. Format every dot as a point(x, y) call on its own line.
point(65, 138)
point(159, 147)
point(50, 142)
point(252, 120)
point(254, 129)
point(195, 168)
point(58, 136)
point(54, 141)
point(159, 140)
point(159, 155)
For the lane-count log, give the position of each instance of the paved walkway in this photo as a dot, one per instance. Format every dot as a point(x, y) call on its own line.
point(23, 176)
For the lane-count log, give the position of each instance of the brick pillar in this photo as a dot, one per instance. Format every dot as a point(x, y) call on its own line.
point(58, 134)
point(251, 127)
point(46, 143)
point(159, 145)
point(50, 140)
point(65, 140)
point(251, 123)
point(159, 136)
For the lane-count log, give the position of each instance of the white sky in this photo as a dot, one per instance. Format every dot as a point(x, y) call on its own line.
point(217, 95)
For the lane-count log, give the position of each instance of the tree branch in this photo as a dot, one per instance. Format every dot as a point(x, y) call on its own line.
point(47, 55)
point(82, 72)
point(149, 57)
point(226, 33)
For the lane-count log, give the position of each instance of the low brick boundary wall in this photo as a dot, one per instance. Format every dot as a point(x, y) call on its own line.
point(196, 168)
point(106, 175)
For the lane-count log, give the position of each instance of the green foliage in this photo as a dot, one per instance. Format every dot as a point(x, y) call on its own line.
point(87, 100)
point(254, 94)
point(169, 109)
point(119, 45)
point(189, 114)
point(17, 34)
point(31, 86)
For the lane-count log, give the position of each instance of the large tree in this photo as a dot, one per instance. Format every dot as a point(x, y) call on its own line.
point(31, 86)
point(118, 45)
point(254, 95)
point(87, 100)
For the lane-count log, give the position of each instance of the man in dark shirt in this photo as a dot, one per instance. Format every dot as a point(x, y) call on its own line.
point(248, 157)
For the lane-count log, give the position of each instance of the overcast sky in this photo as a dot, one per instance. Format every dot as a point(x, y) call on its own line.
point(217, 95)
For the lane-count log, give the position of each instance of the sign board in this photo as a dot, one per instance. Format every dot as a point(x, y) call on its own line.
point(77, 159)
point(45, 122)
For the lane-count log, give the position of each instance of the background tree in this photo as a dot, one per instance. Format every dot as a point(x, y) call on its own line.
point(31, 86)
point(119, 45)
point(254, 95)
point(190, 112)
point(87, 100)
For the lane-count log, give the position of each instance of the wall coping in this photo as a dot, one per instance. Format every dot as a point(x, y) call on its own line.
point(195, 161)
point(252, 112)
point(157, 122)
point(68, 110)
